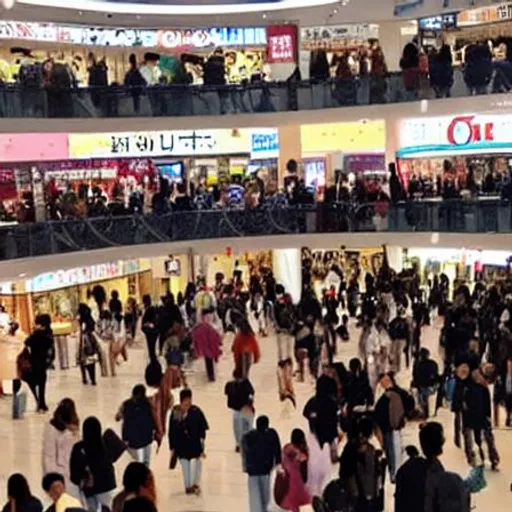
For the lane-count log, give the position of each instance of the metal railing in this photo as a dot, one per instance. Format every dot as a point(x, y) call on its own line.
point(188, 100)
point(58, 237)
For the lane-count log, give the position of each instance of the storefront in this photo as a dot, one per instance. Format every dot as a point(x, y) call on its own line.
point(323, 268)
point(459, 30)
point(198, 156)
point(246, 50)
point(353, 41)
point(465, 266)
point(433, 149)
point(355, 149)
point(171, 273)
point(59, 293)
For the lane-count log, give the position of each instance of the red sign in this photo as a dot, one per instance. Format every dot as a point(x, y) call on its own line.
point(462, 130)
point(282, 44)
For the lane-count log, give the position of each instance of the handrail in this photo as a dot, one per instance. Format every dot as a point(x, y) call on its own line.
point(191, 100)
point(57, 237)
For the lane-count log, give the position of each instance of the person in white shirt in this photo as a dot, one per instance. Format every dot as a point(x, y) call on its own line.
point(59, 437)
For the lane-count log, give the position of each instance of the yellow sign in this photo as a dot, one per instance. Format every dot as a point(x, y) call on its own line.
point(354, 137)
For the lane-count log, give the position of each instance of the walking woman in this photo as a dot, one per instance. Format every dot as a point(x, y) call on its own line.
point(207, 343)
point(92, 467)
point(88, 346)
point(245, 348)
point(131, 316)
point(295, 464)
point(139, 425)
point(59, 437)
point(20, 497)
point(187, 434)
point(42, 352)
point(149, 326)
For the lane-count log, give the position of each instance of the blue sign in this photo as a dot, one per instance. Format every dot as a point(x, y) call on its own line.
point(265, 145)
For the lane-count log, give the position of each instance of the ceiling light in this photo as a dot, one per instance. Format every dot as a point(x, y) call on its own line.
point(23, 274)
point(8, 4)
point(335, 10)
point(264, 15)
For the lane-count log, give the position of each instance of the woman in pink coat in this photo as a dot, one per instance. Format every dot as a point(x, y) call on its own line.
point(207, 343)
point(295, 463)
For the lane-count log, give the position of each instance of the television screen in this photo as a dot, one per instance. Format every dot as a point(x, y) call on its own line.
point(173, 171)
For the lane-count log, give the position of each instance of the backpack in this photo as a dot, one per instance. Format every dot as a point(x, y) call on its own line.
point(408, 402)
point(88, 345)
point(336, 497)
point(174, 357)
point(452, 495)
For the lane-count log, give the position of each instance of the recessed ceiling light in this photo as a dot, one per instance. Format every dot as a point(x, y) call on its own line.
point(264, 15)
point(138, 16)
point(335, 10)
point(23, 274)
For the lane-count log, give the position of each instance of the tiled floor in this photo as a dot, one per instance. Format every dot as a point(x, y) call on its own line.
point(224, 484)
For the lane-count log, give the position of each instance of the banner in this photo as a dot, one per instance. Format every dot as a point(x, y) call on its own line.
point(282, 44)
point(483, 15)
point(337, 37)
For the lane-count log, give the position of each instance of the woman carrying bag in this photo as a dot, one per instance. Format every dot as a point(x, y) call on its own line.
point(88, 347)
point(92, 464)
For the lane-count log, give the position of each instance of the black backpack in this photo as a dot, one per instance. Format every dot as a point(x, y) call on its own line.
point(336, 497)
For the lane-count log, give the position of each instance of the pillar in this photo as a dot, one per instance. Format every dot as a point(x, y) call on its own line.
point(395, 257)
point(290, 147)
point(393, 35)
point(287, 268)
point(392, 138)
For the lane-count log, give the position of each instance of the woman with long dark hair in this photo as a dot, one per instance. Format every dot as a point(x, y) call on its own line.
point(92, 467)
point(59, 437)
point(20, 497)
point(88, 347)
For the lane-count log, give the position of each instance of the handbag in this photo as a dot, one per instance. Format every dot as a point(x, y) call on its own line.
point(174, 460)
point(114, 445)
point(23, 364)
point(281, 486)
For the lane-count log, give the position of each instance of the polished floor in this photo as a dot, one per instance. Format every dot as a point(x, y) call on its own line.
point(224, 484)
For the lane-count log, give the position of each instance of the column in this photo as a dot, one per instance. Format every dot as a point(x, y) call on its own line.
point(392, 139)
point(287, 268)
point(393, 35)
point(395, 257)
point(290, 147)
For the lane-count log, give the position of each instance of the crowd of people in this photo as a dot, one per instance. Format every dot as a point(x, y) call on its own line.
point(355, 417)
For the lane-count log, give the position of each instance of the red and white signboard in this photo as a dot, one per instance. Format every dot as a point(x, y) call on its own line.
point(282, 44)
point(455, 134)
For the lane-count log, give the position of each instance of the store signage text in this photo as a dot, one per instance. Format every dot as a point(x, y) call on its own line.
point(82, 174)
point(483, 15)
point(263, 142)
point(211, 37)
point(80, 275)
point(338, 36)
point(99, 36)
point(468, 132)
point(463, 130)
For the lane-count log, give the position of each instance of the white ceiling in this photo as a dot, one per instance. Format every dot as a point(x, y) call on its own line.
point(356, 11)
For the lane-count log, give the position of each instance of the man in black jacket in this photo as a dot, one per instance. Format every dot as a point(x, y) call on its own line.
point(261, 452)
point(425, 379)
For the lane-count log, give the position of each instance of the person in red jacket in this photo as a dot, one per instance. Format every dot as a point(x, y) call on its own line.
point(245, 348)
point(207, 343)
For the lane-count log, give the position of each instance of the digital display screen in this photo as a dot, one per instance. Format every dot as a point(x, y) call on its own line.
point(174, 171)
point(440, 22)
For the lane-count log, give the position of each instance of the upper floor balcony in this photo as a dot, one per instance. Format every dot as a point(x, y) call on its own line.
point(117, 101)
point(484, 215)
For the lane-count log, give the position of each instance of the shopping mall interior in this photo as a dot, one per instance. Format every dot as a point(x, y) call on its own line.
point(322, 238)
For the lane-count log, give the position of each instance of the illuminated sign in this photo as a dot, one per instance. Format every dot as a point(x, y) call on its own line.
point(483, 15)
point(80, 275)
point(174, 143)
point(337, 37)
point(173, 39)
point(441, 22)
point(183, 39)
point(469, 133)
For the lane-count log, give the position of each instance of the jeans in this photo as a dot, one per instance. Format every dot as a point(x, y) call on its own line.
point(284, 346)
point(259, 493)
point(151, 339)
point(393, 449)
point(96, 502)
point(141, 454)
point(191, 470)
point(424, 395)
point(242, 423)
point(210, 368)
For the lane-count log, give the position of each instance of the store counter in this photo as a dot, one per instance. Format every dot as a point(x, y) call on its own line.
point(61, 333)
